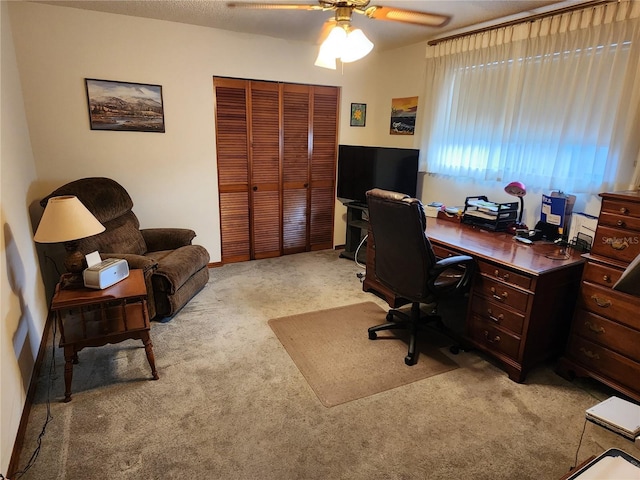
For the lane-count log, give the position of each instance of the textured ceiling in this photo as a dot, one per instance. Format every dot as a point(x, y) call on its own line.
point(306, 25)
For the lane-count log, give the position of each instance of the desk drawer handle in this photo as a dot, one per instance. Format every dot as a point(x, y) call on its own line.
point(504, 276)
point(500, 297)
point(594, 328)
point(601, 302)
point(497, 319)
point(589, 354)
point(495, 339)
point(623, 210)
point(621, 223)
point(606, 278)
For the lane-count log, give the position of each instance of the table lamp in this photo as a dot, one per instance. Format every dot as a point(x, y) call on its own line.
point(67, 220)
point(517, 189)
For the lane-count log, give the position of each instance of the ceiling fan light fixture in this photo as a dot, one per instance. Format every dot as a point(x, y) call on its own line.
point(343, 43)
point(357, 46)
point(325, 60)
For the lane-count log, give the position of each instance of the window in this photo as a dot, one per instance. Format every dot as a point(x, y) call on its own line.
point(552, 108)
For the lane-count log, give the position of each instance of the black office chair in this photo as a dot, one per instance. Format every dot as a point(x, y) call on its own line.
point(406, 264)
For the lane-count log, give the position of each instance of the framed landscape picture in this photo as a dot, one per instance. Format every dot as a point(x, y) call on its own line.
point(403, 115)
point(358, 114)
point(126, 106)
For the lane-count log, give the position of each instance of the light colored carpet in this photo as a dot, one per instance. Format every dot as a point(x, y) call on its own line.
point(333, 351)
point(230, 403)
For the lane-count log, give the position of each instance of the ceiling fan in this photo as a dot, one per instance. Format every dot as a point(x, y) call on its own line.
point(340, 40)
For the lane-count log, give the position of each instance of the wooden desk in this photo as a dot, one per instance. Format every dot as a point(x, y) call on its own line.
point(92, 318)
point(522, 297)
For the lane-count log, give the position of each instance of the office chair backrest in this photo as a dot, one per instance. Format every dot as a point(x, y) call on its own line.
point(404, 256)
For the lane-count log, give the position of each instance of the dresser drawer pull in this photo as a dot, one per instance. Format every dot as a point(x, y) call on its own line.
point(621, 223)
point(601, 302)
point(623, 210)
point(594, 328)
point(590, 354)
point(606, 278)
point(497, 296)
point(504, 276)
point(495, 339)
point(497, 319)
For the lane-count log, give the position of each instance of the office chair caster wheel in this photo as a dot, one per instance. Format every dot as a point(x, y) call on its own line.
point(373, 335)
point(389, 317)
point(409, 360)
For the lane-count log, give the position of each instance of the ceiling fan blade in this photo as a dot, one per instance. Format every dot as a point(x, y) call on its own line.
point(273, 6)
point(407, 16)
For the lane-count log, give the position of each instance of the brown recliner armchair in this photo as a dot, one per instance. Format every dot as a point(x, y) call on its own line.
point(174, 269)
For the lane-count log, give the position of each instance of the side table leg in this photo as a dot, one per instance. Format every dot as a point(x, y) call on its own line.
point(69, 356)
point(148, 348)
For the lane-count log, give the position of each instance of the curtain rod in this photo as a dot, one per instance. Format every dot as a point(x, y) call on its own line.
point(530, 18)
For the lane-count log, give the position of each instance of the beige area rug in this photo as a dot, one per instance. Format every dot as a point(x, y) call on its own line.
point(334, 354)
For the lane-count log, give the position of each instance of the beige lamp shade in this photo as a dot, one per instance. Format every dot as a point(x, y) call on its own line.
point(65, 218)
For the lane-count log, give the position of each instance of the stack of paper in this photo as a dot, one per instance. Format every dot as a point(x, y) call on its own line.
point(616, 414)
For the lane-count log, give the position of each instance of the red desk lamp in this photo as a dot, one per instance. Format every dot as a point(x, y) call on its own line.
point(517, 189)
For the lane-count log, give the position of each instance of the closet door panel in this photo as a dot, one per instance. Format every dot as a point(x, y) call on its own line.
point(264, 157)
point(322, 207)
point(295, 224)
point(323, 166)
point(232, 146)
point(266, 231)
point(295, 167)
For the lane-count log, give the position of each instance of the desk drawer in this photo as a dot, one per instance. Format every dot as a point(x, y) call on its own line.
point(493, 339)
point(619, 221)
point(442, 252)
point(501, 273)
point(621, 208)
point(618, 306)
point(612, 335)
point(498, 314)
point(599, 274)
point(616, 243)
point(501, 293)
point(604, 361)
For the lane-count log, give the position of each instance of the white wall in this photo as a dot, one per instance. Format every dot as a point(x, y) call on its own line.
point(172, 176)
point(22, 300)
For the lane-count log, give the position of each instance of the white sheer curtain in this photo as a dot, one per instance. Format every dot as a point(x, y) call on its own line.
point(554, 103)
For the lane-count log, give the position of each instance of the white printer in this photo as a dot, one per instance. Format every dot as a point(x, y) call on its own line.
point(104, 273)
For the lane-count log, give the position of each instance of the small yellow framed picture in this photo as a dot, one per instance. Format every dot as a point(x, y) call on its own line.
point(358, 114)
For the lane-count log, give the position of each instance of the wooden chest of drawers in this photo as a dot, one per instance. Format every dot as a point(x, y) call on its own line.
point(605, 335)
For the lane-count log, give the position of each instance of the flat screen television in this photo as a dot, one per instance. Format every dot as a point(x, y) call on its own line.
point(362, 168)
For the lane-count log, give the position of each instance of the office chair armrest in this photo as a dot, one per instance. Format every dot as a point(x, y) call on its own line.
point(466, 262)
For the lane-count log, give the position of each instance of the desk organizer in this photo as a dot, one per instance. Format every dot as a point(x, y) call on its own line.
point(479, 211)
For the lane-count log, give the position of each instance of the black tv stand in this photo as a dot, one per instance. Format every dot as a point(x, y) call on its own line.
point(357, 228)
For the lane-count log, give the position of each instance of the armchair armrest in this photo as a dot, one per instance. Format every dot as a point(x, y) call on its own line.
point(167, 238)
point(461, 268)
point(146, 264)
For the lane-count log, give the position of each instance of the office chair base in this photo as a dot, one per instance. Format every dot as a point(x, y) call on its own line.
point(397, 320)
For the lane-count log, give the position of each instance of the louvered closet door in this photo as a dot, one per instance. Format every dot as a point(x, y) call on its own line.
point(323, 166)
point(264, 157)
point(295, 167)
point(233, 167)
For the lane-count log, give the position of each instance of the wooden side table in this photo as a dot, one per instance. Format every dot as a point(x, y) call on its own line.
point(92, 318)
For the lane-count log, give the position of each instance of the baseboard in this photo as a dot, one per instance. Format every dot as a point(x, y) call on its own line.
point(14, 464)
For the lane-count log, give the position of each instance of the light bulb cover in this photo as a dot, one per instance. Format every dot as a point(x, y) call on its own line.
point(357, 46)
